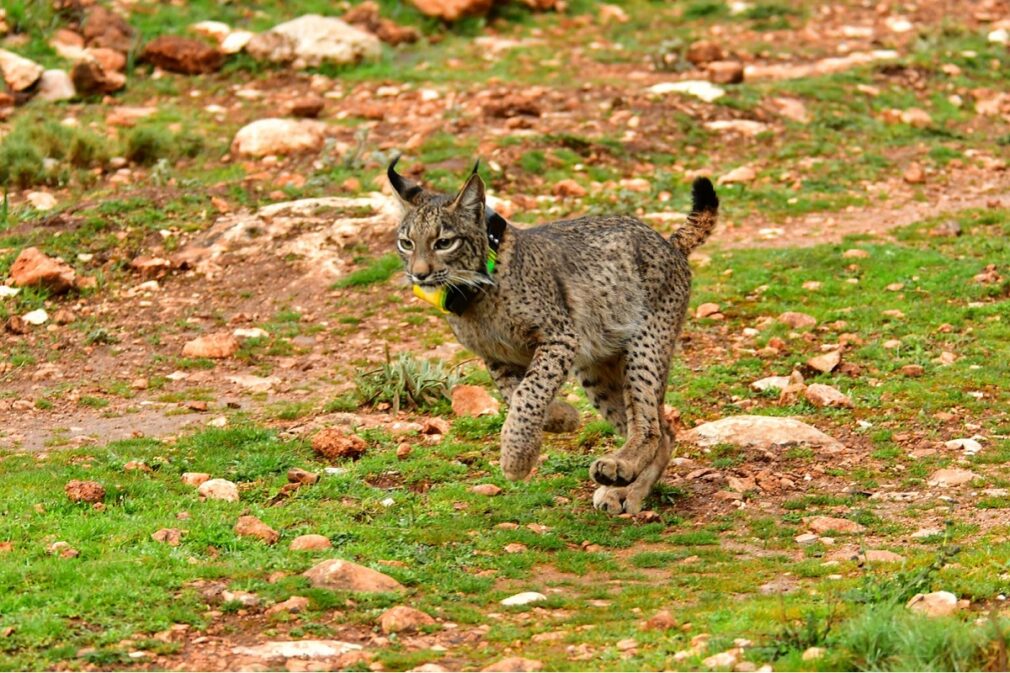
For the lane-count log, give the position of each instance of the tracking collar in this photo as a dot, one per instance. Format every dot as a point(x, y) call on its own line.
point(455, 299)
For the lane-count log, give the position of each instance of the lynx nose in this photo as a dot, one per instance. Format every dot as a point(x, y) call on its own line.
point(420, 270)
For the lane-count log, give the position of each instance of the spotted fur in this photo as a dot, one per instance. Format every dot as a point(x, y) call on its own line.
point(601, 297)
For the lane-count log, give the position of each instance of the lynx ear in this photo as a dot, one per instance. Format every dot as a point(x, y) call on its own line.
point(410, 192)
point(470, 199)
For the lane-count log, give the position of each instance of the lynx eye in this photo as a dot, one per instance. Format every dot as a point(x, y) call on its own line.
point(405, 245)
point(444, 244)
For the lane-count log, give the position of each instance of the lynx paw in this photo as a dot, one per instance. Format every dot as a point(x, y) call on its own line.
point(612, 471)
point(617, 500)
point(561, 417)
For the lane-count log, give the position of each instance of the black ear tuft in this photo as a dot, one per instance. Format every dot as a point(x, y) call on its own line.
point(476, 167)
point(703, 197)
point(408, 192)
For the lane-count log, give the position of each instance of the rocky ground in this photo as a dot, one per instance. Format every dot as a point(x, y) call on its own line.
point(196, 279)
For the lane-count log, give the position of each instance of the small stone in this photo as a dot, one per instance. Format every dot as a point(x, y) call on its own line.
point(725, 659)
point(307, 107)
point(823, 524)
point(297, 475)
point(725, 72)
point(949, 477)
point(706, 310)
point(279, 137)
point(195, 478)
point(912, 371)
point(19, 72)
point(36, 317)
point(515, 664)
point(661, 621)
point(739, 175)
point(569, 188)
point(403, 451)
point(295, 650)
point(63, 550)
point(883, 556)
point(33, 268)
point(947, 229)
point(169, 536)
point(916, 117)
point(914, 174)
point(805, 538)
point(246, 599)
point(340, 575)
point(250, 526)
point(515, 548)
point(333, 443)
point(402, 618)
point(182, 55)
point(84, 491)
point(924, 533)
point(219, 489)
point(797, 320)
point(821, 395)
point(770, 382)
point(826, 362)
point(485, 489)
point(523, 598)
point(473, 401)
point(703, 52)
point(56, 85)
point(310, 543)
point(293, 605)
point(935, 604)
point(760, 432)
point(220, 345)
point(813, 653)
point(855, 253)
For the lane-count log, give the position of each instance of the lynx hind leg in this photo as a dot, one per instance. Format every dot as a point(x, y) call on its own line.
point(629, 499)
point(604, 386)
point(646, 367)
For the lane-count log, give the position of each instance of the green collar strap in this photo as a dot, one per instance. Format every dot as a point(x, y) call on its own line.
point(457, 299)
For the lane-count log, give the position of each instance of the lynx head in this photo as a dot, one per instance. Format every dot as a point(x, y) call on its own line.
point(442, 239)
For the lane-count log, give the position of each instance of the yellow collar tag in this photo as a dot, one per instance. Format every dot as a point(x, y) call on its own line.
point(435, 297)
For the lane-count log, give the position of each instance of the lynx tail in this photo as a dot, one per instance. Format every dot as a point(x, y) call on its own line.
point(701, 221)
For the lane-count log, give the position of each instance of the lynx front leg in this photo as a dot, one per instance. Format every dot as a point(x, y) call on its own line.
point(521, 434)
point(560, 416)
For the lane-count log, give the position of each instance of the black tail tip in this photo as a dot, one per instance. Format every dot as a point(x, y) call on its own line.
point(703, 196)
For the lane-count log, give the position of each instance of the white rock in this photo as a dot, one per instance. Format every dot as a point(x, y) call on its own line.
point(250, 333)
point(219, 489)
point(256, 384)
point(739, 175)
point(746, 127)
point(279, 136)
point(19, 72)
point(702, 89)
point(898, 24)
point(524, 598)
point(216, 30)
point(36, 317)
point(725, 659)
point(312, 39)
point(952, 476)
point(762, 432)
point(236, 41)
point(41, 200)
point(813, 653)
point(969, 445)
point(298, 649)
point(936, 604)
point(779, 382)
point(999, 36)
point(8, 291)
point(55, 85)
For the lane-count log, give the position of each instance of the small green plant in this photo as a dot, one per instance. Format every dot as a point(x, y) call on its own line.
point(377, 271)
point(408, 382)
